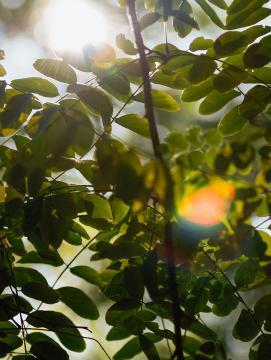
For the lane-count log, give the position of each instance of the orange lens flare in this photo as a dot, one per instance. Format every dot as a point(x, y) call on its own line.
point(209, 205)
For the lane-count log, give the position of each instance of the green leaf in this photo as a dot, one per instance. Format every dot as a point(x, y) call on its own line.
point(116, 288)
point(239, 5)
point(121, 251)
point(262, 307)
point(2, 71)
point(73, 238)
point(255, 101)
point(35, 85)
point(136, 123)
point(40, 292)
point(260, 349)
point(119, 209)
point(200, 43)
point(15, 113)
point(246, 18)
point(191, 345)
point(88, 274)
point(43, 257)
point(176, 63)
point(216, 101)
point(257, 55)
point(98, 207)
point(56, 69)
point(79, 302)
point(121, 310)
point(47, 350)
point(202, 69)
point(228, 79)
point(197, 92)
point(148, 20)
point(213, 137)
point(232, 122)
point(220, 3)
point(97, 101)
point(161, 100)
point(202, 330)
point(117, 85)
point(210, 12)
point(245, 329)
point(12, 305)
point(225, 306)
point(176, 141)
point(173, 80)
point(24, 276)
point(229, 42)
point(125, 45)
point(129, 350)
point(260, 75)
point(134, 283)
point(184, 18)
point(117, 333)
point(246, 273)
point(148, 348)
point(65, 330)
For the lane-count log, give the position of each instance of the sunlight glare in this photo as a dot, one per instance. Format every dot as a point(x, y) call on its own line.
point(74, 24)
point(209, 205)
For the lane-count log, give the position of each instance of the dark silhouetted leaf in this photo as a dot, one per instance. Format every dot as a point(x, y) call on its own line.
point(79, 302)
point(40, 292)
point(66, 331)
point(88, 274)
point(246, 329)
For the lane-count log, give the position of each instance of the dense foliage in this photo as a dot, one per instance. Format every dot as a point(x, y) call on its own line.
point(161, 268)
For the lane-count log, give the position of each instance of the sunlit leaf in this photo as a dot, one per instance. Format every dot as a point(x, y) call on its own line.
point(216, 101)
point(56, 69)
point(136, 123)
point(161, 100)
point(148, 19)
point(201, 43)
point(232, 122)
point(36, 85)
point(125, 45)
point(210, 12)
point(97, 100)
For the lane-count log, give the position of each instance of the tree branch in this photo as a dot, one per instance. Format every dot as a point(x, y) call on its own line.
point(145, 71)
point(149, 113)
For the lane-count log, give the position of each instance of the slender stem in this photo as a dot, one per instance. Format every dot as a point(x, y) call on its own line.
point(238, 296)
point(145, 71)
point(71, 262)
point(177, 313)
point(149, 113)
point(16, 295)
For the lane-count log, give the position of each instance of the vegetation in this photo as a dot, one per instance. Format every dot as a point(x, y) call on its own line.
point(165, 262)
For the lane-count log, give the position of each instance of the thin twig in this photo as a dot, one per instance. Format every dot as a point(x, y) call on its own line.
point(149, 113)
point(237, 294)
point(71, 262)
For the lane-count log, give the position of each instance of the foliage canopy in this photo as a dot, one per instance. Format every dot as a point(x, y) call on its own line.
point(163, 271)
